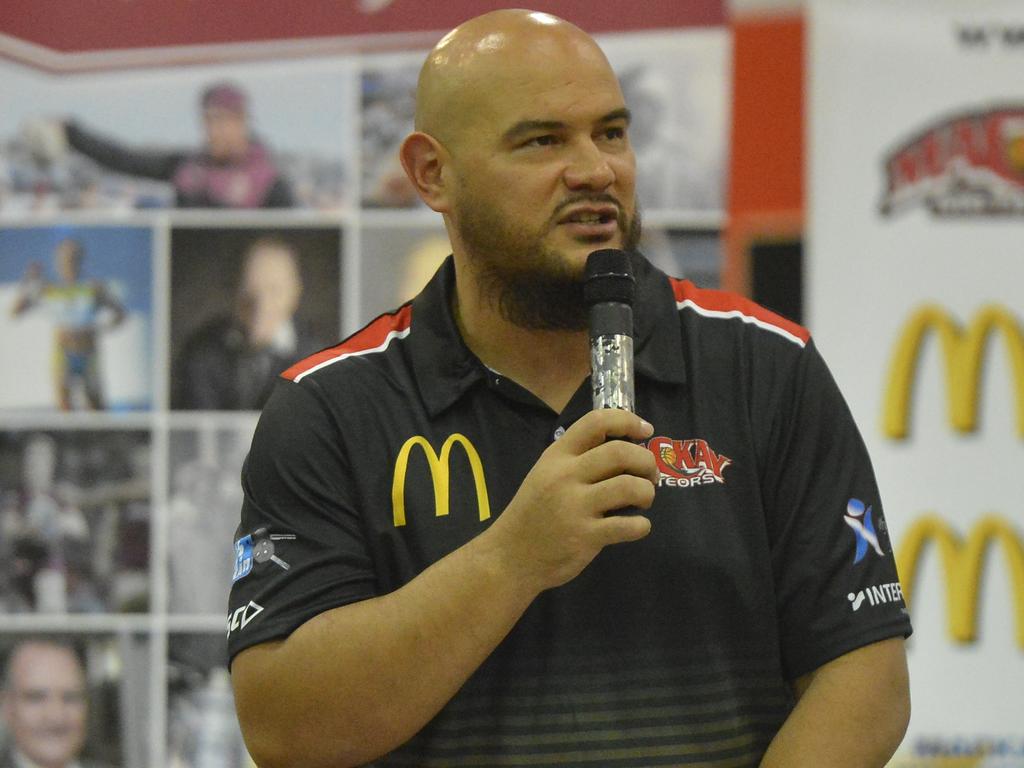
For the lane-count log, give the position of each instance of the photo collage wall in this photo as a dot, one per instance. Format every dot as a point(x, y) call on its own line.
point(151, 294)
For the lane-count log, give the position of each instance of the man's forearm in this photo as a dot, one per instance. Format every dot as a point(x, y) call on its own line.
point(355, 682)
point(851, 713)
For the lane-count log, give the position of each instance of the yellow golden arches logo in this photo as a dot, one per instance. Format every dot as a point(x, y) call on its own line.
point(962, 563)
point(439, 475)
point(963, 350)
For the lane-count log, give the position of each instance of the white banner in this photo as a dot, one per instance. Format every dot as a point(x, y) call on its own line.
point(916, 298)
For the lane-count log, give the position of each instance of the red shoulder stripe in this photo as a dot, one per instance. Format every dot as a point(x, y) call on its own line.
point(375, 337)
point(722, 304)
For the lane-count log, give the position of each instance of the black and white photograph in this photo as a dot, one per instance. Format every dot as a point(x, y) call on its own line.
point(202, 512)
point(202, 729)
point(676, 87)
point(74, 521)
point(388, 107)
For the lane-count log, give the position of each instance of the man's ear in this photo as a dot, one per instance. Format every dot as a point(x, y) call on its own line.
point(423, 159)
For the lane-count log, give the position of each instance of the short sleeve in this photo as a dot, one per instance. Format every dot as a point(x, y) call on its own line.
point(300, 547)
point(835, 575)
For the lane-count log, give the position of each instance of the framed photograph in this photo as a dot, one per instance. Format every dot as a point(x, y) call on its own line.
point(246, 303)
point(388, 108)
point(79, 309)
point(677, 88)
point(74, 521)
point(75, 699)
point(258, 135)
point(203, 510)
point(202, 727)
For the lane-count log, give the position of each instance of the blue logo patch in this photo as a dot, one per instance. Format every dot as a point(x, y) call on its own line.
point(859, 519)
point(243, 558)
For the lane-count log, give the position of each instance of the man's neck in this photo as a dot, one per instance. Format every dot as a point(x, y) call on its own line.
point(550, 364)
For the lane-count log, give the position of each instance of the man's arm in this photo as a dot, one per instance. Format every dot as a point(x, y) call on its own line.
point(357, 681)
point(851, 712)
point(29, 291)
point(279, 195)
point(105, 298)
point(110, 154)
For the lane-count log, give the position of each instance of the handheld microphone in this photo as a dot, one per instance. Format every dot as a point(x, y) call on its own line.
point(608, 291)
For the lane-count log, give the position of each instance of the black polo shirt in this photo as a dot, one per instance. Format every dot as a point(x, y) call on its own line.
point(768, 554)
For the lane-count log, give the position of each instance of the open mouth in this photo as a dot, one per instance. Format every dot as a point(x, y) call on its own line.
point(590, 217)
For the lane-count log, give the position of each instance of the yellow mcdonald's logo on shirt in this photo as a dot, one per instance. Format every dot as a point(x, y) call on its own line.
point(439, 475)
point(962, 563)
point(963, 351)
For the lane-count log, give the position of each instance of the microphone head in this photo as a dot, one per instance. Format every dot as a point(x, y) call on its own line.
point(609, 277)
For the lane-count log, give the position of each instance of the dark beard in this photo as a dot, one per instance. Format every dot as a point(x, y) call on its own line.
point(532, 286)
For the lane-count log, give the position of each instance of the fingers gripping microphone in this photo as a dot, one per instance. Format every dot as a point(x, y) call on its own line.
point(608, 291)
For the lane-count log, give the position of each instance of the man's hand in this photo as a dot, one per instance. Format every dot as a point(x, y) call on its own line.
point(563, 513)
point(46, 139)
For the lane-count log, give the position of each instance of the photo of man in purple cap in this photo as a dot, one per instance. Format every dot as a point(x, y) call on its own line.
point(233, 169)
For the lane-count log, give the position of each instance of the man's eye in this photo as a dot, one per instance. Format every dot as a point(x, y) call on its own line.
point(615, 133)
point(542, 141)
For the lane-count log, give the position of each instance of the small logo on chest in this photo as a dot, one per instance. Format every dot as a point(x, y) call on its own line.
point(686, 463)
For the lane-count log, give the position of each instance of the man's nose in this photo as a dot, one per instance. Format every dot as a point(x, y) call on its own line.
point(54, 711)
point(589, 168)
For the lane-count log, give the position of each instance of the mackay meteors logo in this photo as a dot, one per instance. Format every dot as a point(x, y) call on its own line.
point(971, 164)
point(686, 463)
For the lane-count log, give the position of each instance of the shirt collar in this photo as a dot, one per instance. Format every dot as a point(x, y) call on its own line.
point(445, 368)
point(657, 336)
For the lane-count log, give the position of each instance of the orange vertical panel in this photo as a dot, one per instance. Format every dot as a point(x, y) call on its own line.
point(766, 167)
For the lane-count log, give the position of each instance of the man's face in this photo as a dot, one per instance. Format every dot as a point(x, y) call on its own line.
point(227, 133)
point(270, 292)
point(544, 175)
point(40, 464)
point(69, 262)
point(44, 704)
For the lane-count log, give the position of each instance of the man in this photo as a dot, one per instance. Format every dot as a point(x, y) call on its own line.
point(48, 539)
point(476, 568)
point(232, 361)
point(77, 308)
point(232, 170)
point(44, 706)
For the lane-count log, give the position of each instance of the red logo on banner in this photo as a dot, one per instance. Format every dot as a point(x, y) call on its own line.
point(968, 165)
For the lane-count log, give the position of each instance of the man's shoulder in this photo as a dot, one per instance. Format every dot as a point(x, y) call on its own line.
point(372, 346)
point(711, 310)
point(214, 332)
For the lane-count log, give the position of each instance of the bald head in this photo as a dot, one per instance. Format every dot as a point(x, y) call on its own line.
point(522, 144)
point(475, 63)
